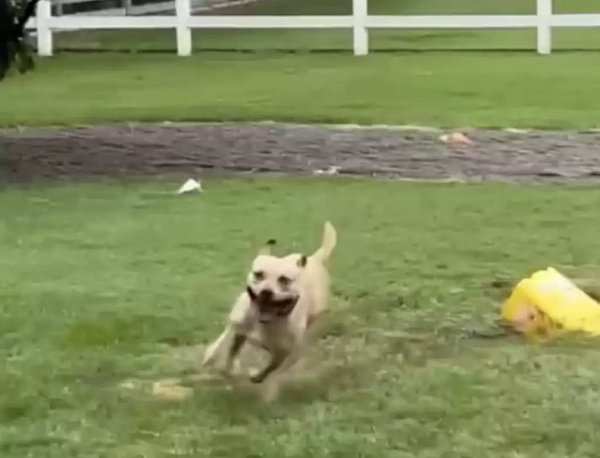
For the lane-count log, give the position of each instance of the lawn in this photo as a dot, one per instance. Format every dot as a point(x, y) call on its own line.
point(104, 283)
point(262, 40)
point(441, 89)
point(109, 286)
point(450, 89)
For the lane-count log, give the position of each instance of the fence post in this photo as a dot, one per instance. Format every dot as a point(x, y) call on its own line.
point(183, 11)
point(127, 7)
point(544, 28)
point(44, 32)
point(360, 35)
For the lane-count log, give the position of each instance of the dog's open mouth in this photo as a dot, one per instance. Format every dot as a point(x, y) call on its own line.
point(270, 308)
point(276, 308)
point(281, 307)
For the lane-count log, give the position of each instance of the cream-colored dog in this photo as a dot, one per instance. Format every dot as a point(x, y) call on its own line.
point(284, 297)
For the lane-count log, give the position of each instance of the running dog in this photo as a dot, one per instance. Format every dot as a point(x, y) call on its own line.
point(283, 299)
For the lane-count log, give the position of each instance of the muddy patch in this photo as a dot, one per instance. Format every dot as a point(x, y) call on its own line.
point(161, 149)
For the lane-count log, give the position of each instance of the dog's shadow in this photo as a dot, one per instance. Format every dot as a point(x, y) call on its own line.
point(312, 379)
point(236, 399)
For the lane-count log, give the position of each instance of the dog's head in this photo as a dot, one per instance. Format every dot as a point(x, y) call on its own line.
point(273, 283)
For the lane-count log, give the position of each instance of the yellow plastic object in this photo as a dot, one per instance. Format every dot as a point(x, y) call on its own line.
point(547, 302)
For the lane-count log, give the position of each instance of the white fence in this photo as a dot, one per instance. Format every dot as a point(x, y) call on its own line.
point(360, 22)
point(130, 9)
point(126, 10)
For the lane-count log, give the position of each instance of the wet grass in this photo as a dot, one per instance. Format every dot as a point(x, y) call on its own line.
point(107, 282)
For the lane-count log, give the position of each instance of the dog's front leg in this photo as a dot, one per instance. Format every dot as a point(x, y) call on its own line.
point(239, 339)
point(302, 336)
point(242, 319)
point(272, 384)
point(277, 359)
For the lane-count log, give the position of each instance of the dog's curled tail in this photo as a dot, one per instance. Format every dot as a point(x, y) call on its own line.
point(327, 244)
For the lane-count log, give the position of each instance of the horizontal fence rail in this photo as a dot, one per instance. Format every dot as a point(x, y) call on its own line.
point(360, 22)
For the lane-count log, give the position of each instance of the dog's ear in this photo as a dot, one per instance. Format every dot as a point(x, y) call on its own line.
point(266, 250)
point(302, 261)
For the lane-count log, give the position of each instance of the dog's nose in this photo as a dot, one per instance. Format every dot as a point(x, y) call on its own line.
point(265, 295)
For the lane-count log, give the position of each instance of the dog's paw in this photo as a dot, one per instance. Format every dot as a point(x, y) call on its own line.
point(256, 375)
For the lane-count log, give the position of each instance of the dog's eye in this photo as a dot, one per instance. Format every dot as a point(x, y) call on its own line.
point(284, 281)
point(259, 275)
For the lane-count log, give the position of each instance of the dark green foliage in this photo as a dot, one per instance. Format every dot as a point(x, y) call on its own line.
point(14, 49)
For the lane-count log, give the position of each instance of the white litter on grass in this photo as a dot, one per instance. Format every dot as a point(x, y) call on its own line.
point(333, 170)
point(190, 185)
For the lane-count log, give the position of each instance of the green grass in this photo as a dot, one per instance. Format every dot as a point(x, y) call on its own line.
point(341, 40)
point(103, 283)
point(444, 89)
point(107, 282)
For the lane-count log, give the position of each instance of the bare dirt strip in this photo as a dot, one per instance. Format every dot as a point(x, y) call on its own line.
point(160, 149)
